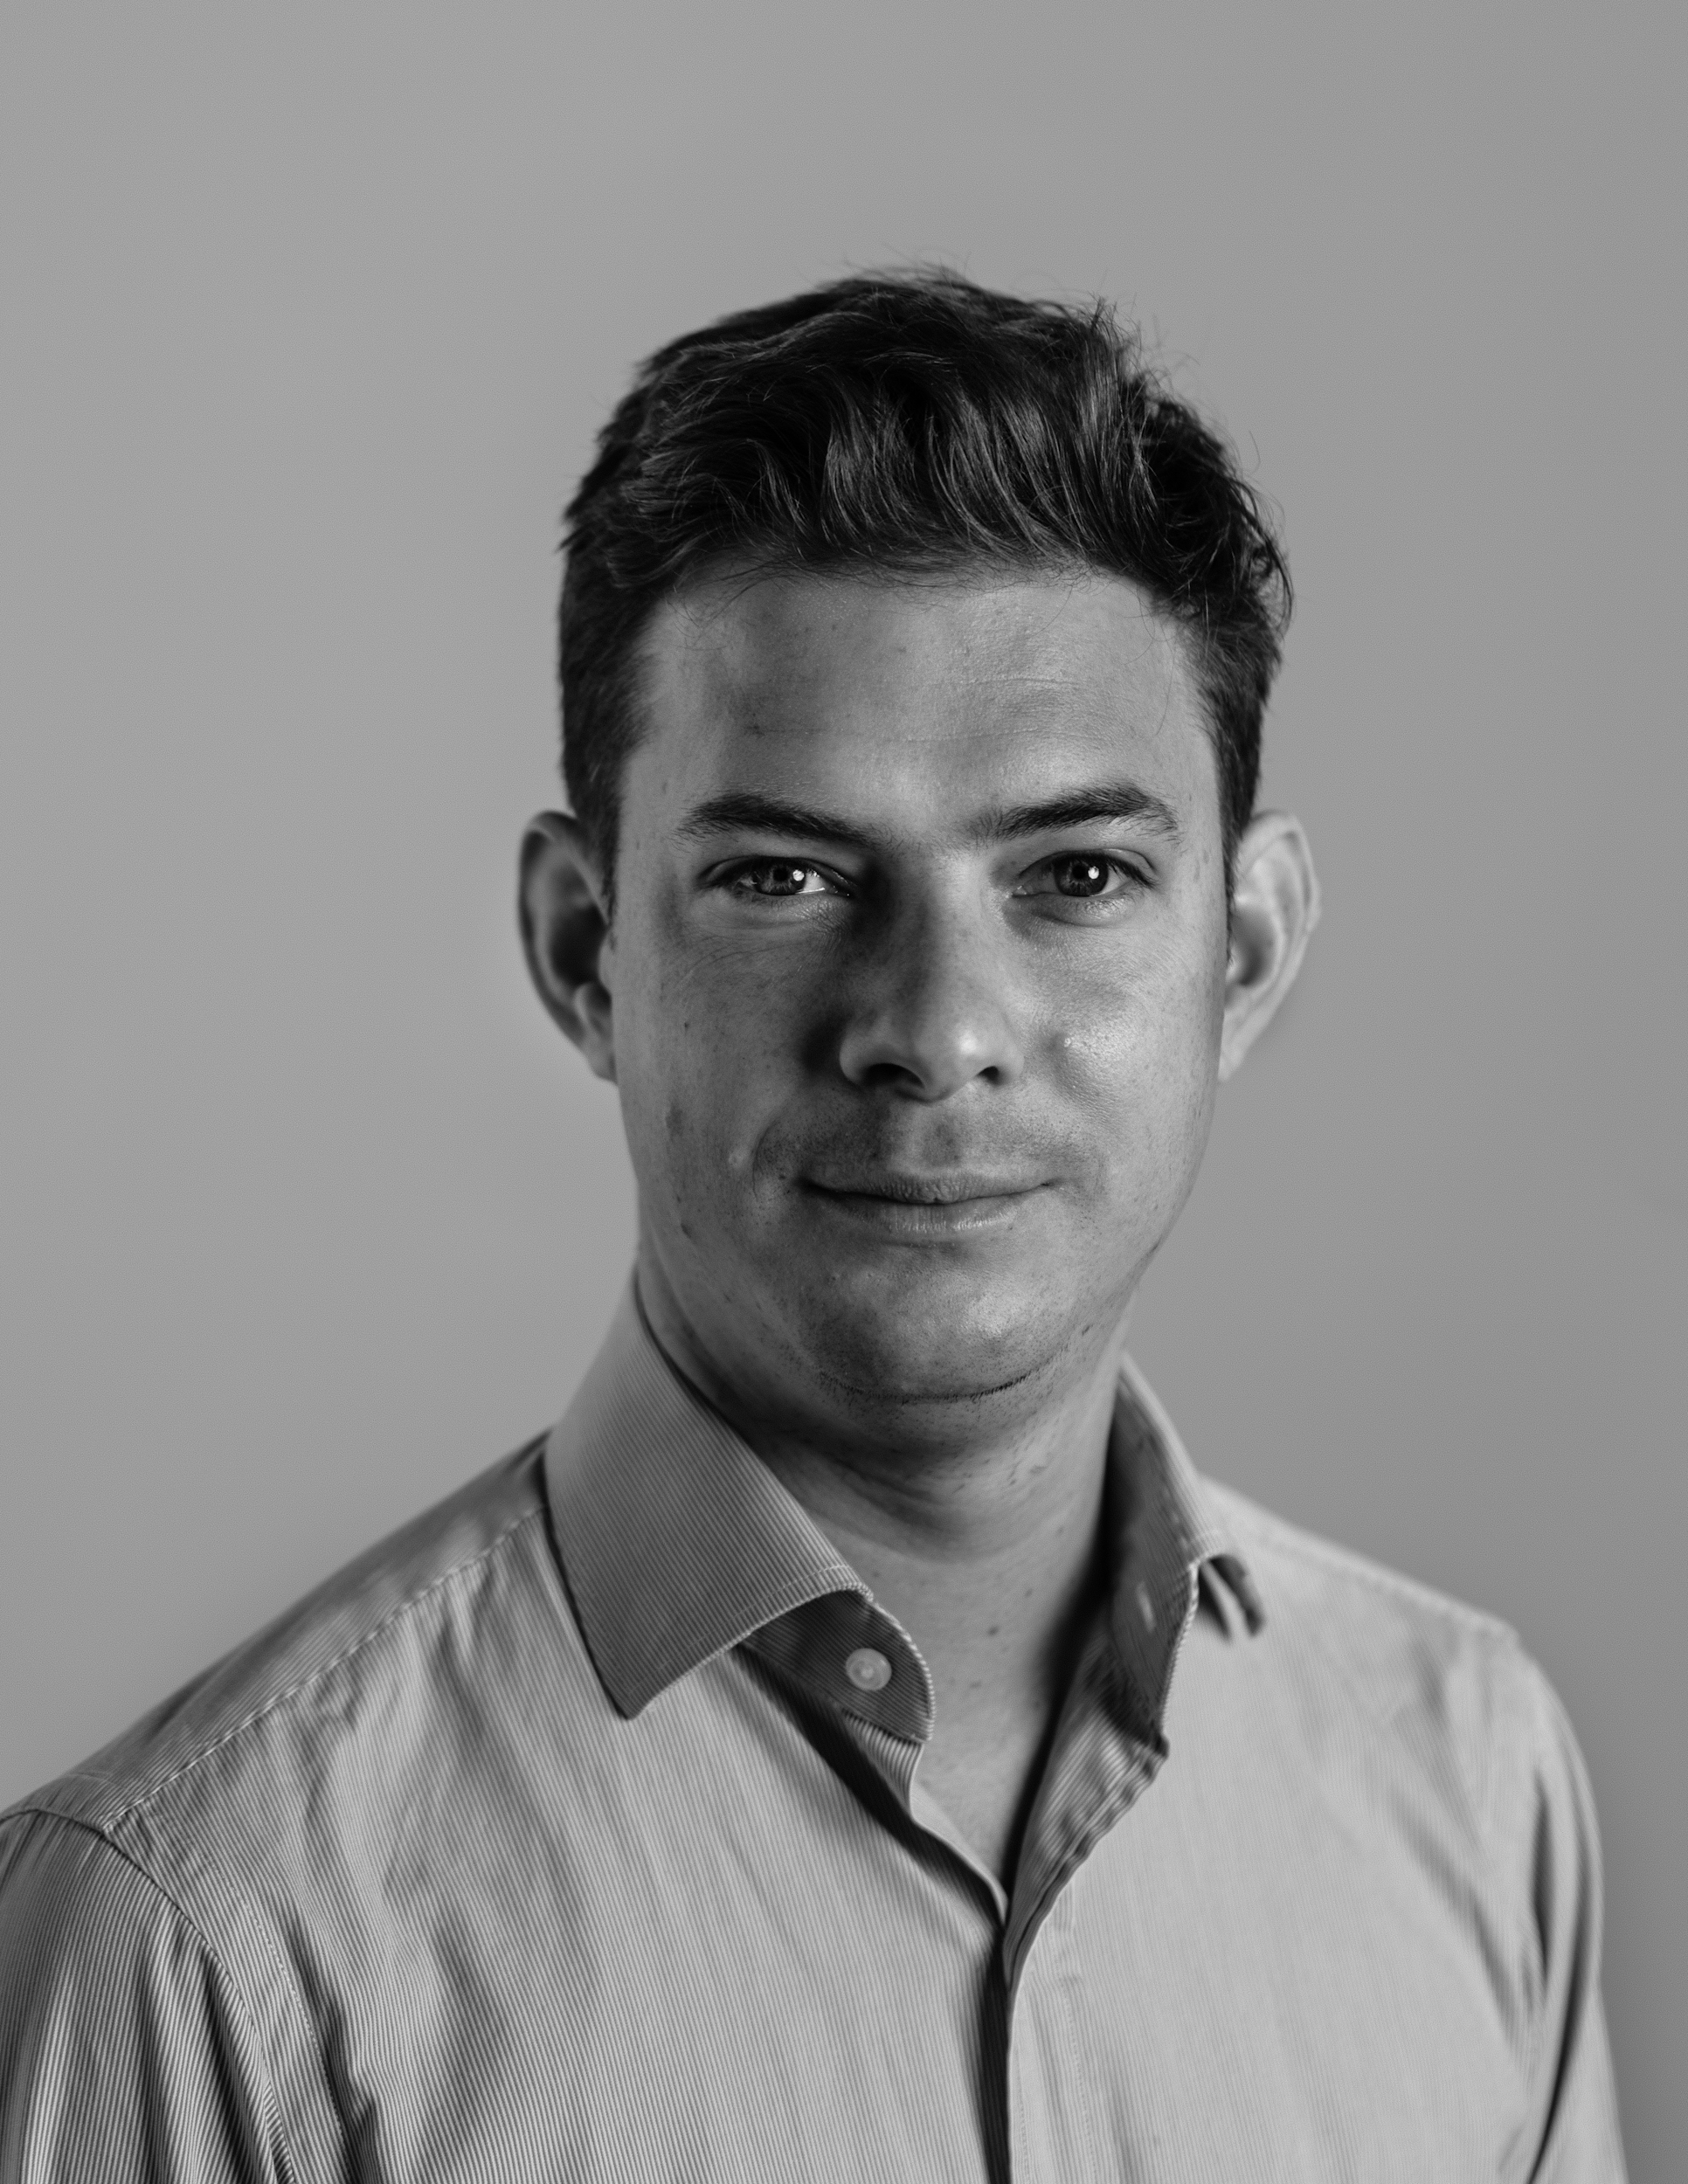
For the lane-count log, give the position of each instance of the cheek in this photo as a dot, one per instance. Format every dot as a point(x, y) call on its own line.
point(706, 1050)
point(1141, 1062)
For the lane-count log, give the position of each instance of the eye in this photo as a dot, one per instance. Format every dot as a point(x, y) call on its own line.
point(778, 879)
point(1082, 876)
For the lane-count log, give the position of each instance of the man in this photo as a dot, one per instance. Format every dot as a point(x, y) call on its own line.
point(855, 1743)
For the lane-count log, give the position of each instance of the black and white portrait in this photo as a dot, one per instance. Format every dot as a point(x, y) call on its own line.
point(844, 1208)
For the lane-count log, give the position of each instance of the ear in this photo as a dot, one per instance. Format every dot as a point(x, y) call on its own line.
point(565, 929)
point(1275, 908)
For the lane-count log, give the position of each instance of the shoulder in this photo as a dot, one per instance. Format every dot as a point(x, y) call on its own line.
point(187, 1897)
point(1391, 1629)
point(344, 1666)
point(1400, 1675)
point(1424, 1742)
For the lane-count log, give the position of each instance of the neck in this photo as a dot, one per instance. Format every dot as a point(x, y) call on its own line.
point(985, 1547)
point(977, 1480)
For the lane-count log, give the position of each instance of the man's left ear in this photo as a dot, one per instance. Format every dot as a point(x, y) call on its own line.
point(1275, 908)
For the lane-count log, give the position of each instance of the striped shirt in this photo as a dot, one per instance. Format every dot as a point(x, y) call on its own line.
point(576, 1833)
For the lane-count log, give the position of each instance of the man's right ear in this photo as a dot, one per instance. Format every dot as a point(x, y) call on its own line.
point(565, 928)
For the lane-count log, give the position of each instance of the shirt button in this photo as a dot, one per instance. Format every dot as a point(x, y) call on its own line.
point(868, 1669)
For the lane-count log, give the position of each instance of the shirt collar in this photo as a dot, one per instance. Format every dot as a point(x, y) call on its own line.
point(678, 1543)
point(1168, 1549)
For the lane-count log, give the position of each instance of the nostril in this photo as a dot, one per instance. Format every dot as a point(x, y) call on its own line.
point(926, 1066)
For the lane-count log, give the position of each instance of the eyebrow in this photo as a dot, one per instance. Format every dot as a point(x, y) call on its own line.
point(1107, 800)
point(747, 811)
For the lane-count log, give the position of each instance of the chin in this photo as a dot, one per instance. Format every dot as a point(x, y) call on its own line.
point(901, 1353)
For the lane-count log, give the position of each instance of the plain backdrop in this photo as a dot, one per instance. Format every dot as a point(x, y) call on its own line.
point(307, 315)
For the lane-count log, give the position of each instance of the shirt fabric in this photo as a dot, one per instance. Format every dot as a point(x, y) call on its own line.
point(575, 1833)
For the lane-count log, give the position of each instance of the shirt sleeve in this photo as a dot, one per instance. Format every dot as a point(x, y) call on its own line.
point(125, 2054)
point(1570, 2131)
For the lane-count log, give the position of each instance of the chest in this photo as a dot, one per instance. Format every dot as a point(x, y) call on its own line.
point(714, 1964)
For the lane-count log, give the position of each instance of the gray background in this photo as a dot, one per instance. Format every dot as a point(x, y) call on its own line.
point(309, 314)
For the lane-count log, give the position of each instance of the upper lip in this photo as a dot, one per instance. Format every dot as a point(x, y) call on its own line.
point(950, 1187)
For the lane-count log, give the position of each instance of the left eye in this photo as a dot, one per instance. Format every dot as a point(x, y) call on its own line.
point(1080, 877)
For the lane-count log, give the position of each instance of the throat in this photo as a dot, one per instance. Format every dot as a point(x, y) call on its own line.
point(986, 1771)
point(1001, 1680)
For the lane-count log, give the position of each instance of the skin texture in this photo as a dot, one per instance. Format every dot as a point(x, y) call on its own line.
point(918, 991)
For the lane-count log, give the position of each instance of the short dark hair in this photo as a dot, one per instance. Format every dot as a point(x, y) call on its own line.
point(911, 422)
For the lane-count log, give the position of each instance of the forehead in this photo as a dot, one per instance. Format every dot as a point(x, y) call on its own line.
point(904, 690)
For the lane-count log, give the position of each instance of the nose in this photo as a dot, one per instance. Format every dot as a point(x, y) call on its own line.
point(929, 1006)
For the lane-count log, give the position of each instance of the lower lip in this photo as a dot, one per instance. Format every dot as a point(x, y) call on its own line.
point(918, 1222)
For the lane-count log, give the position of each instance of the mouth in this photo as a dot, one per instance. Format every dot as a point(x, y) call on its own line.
point(953, 1203)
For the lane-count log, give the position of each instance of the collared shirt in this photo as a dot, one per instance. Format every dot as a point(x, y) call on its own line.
point(576, 1833)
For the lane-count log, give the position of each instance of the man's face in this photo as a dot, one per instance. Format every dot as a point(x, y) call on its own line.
point(915, 977)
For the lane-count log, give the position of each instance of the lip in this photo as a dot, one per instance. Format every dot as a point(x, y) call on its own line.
point(950, 1204)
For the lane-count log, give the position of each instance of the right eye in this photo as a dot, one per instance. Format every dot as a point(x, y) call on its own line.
point(778, 879)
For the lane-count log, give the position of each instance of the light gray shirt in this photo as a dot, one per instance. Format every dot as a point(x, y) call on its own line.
point(576, 1832)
